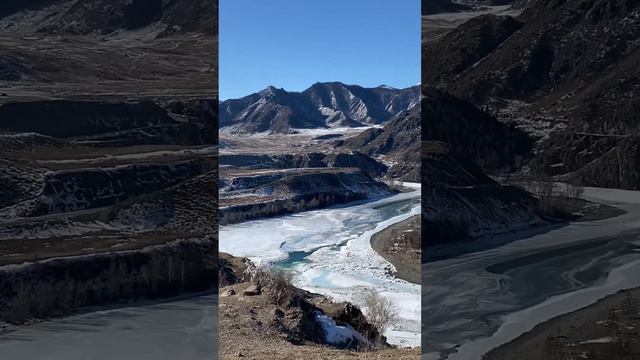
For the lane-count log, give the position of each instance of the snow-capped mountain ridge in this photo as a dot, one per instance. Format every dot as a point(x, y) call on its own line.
point(322, 105)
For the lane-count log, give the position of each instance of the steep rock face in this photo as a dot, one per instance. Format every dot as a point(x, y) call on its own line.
point(358, 104)
point(322, 105)
point(464, 47)
point(493, 145)
point(460, 203)
point(270, 110)
point(285, 193)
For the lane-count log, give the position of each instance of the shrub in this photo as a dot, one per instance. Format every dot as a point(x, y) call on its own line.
point(275, 283)
point(381, 312)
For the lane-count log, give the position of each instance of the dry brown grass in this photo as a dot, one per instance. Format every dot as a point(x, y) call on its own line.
point(247, 331)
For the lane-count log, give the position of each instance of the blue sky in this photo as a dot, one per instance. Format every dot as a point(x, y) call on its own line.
point(292, 44)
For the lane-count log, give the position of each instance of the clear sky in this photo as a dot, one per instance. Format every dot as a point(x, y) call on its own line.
point(292, 44)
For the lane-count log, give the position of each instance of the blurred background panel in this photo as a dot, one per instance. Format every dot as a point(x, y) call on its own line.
point(108, 173)
point(530, 181)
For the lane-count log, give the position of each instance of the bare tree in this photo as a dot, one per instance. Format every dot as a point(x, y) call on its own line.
point(381, 311)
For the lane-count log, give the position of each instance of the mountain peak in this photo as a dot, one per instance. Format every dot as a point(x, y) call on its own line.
point(271, 91)
point(327, 84)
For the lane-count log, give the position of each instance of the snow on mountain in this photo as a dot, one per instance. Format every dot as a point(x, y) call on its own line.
point(323, 105)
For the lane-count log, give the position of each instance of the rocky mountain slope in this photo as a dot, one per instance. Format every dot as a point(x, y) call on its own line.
point(460, 203)
point(117, 169)
point(478, 136)
point(572, 85)
point(322, 105)
point(246, 195)
point(396, 143)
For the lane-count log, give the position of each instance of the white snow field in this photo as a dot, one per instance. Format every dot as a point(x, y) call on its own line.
point(184, 329)
point(330, 253)
point(478, 301)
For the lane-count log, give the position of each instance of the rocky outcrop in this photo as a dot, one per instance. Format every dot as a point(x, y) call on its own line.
point(300, 317)
point(287, 193)
point(349, 314)
point(231, 270)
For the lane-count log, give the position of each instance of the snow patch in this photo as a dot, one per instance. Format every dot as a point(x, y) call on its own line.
point(339, 335)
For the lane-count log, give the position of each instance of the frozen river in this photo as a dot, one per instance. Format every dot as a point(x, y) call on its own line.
point(329, 252)
point(478, 301)
point(184, 329)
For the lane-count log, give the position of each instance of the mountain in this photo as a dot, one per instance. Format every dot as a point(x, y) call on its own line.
point(398, 141)
point(323, 105)
point(564, 70)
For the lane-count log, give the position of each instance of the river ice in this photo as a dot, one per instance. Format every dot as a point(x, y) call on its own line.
point(330, 253)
